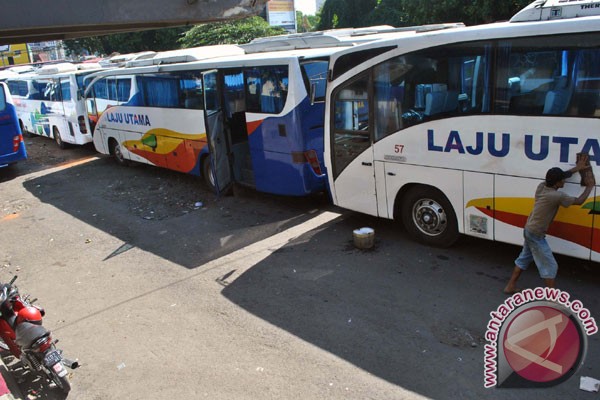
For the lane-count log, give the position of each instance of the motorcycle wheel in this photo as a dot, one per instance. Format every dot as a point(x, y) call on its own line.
point(61, 382)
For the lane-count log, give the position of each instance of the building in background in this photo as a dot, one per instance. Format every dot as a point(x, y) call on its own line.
point(47, 51)
point(282, 13)
point(14, 54)
point(27, 53)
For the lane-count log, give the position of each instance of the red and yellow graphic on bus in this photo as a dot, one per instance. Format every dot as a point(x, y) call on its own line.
point(574, 223)
point(169, 149)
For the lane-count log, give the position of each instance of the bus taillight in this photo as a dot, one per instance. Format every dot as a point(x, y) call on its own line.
point(81, 121)
point(311, 157)
point(17, 139)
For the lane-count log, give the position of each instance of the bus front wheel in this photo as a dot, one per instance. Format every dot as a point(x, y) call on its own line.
point(115, 150)
point(429, 217)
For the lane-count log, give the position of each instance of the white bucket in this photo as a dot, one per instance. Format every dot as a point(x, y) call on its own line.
point(364, 238)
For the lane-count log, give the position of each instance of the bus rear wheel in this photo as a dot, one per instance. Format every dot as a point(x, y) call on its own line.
point(24, 131)
point(429, 217)
point(207, 173)
point(58, 139)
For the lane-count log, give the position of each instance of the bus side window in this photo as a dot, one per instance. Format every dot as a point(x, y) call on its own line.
point(2, 99)
point(191, 88)
point(266, 89)
point(557, 78)
point(388, 94)
point(586, 96)
point(435, 83)
point(65, 89)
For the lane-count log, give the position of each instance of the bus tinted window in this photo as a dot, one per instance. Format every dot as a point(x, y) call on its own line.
point(191, 86)
point(2, 99)
point(556, 76)
point(18, 88)
point(315, 74)
point(65, 89)
point(267, 89)
point(160, 90)
point(430, 84)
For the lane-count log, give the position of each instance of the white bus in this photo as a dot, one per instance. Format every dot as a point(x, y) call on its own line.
point(451, 131)
point(50, 102)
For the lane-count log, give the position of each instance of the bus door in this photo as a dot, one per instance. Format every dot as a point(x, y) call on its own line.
point(234, 96)
point(352, 150)
point(215, 132)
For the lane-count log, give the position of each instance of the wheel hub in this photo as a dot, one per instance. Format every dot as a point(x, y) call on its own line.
point(430, 217)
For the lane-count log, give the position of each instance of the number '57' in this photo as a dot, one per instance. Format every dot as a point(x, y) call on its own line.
point(399, 148)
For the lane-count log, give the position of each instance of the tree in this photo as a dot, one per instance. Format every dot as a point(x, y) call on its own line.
point(471, 13)
point(234, 32)
point(345, 13)
point(132, 42)
point(306, 23)
point(354, 13)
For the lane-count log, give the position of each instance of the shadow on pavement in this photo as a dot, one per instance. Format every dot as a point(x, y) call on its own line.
point(169, 214)
point(412, 315)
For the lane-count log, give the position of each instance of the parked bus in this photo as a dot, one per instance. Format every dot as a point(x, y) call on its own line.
point(451, 131)
point(246, 109)
point(12, 148)
point(49, 102)
point(253, 117)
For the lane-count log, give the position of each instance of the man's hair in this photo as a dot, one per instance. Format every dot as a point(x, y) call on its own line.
point(555, 175)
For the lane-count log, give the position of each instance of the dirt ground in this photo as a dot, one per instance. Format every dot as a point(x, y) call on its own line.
point(171, 193)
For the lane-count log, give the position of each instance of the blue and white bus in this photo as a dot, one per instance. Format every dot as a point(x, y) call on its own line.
point(254, 117)
point(451, 130)
point(12, 147)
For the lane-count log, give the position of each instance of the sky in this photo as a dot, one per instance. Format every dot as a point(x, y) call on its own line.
point(306, 6)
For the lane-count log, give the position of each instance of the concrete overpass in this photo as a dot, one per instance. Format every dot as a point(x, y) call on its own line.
point(24, 21)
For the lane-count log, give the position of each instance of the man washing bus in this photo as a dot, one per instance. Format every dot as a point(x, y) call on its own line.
point(547, 200)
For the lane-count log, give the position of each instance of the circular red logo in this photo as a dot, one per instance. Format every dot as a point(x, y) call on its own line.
point(542, 344)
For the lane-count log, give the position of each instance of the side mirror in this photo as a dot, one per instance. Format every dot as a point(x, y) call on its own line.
point(313, 93)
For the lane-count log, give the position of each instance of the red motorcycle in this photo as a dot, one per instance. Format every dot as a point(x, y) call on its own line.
point(22, 334)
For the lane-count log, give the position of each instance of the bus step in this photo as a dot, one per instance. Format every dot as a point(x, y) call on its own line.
point(248, 176)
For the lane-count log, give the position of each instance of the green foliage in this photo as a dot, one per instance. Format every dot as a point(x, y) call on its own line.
point(345, 13)
point(133, 42)
point(356, 13)
point(234, 32)
point(306, 23)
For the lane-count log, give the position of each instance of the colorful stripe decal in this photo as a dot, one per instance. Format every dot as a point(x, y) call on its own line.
point(574, 224)
point(169, 149)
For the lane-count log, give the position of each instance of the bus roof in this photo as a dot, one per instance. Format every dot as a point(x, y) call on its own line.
point(331, 38)
point(405, 42)
point(53, 69)
point(187, 55)
point(542, 10)
point(231, 61)
point(120, 59)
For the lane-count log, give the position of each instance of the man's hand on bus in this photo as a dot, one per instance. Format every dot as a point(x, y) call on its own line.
point(582, 162)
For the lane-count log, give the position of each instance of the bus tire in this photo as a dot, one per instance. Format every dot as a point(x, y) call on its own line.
point(207, 173)
point(24, 131)
point(117, 153)
point(429, 217)
point(58, 139)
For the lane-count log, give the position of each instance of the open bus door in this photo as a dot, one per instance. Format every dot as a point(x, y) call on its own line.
point(215, 132)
